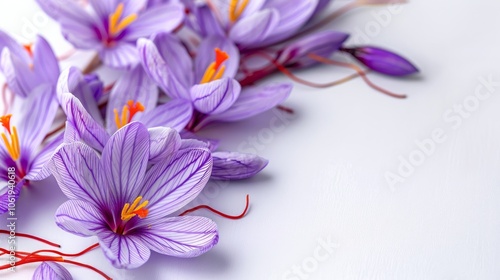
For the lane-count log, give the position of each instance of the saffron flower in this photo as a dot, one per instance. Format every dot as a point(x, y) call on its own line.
point(22, 146)
point(52, 271)
point(207, 83)
point(27, 67)
point(111, 27)
point(125, 203)
point(236, 166)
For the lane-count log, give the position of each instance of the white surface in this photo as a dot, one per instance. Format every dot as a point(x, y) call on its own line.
point(327, 167)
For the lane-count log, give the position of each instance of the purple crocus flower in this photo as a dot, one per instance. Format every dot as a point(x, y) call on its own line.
point(22, 155)
point(29, 66)
point(382, 61)
point(207, 83)
point(253, 23)
point(236, 166)
point(52, 271)
point(111, 27)
point(125, 203)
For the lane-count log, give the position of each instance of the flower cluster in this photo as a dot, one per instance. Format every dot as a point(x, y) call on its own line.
point(127, 155)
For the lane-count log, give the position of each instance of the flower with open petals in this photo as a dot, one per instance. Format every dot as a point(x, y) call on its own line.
point(125, 202)
point(207, 82)
point(22, 145)
point(111, 27)
point(27, 67)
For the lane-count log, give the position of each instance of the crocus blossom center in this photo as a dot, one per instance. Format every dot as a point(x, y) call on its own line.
point(216, 69)
point(236, 10)
point(136, 209)
point(116, 23)
point(128, 112)
point(11, 138)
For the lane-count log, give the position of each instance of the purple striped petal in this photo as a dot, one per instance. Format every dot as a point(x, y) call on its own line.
point(73, 81)
point(176, 57)
point(175, 113)
point(124, 251)
point(45, 63)
point(52, 271)
point(15, 48)
point(81, 218)
point(206, 55)
point(125, 159)
point(252, 101)
point(171, 185)
point(162, 18)
point(212, 143)
point(19, 77)
point(122, 55)
point(133, 85)
point(8, 195)
point(79, 174)
point(164, 142)
point(83, 126)
point(184, 237)
point(215, 97)
point(236, 166)
point(38, 169)
point(255, 28)
point(103, 8)
point(193, 144)
point(208, 25)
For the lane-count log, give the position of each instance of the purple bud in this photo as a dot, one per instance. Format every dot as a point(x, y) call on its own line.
point(236, 166)
point(382, 61)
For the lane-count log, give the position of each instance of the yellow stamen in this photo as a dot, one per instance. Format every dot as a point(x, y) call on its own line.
point(128, 112)
point(215, 70)
point(12, 146)
point(235, 11)
point(115, 24)
point(136, 209)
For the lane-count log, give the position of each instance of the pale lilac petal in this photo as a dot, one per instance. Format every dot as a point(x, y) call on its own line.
point(157, 69)
point(215, 97)
point(18, 75)
point(252, 101)
point(95, 84)
point(208, 25)
point(38, 169)
point(124, 251)
point(73, 81)
point(184, 237)
point(164, 142)
point(255, 28)
point(52, 271)
point(33, 126)
point(193, 144)
point(171, 185)
point(125, 159)
point(122, 55)
point(206, 55)
point(236, 166)
point(84, 127)
point(176, 57)
point(134, 6)
point(79, 174)
point(293, 14)
point(163, 18)
point(45, 63)
point(15, 48)
point(81, 218)
point(175, 113)
point(134, 85)
point(104, 8)
point(211, 143)
point(12, 195)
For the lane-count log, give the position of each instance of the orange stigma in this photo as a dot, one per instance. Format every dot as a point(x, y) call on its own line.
point(215, 70)
point(116, 23)
point(136, 209)
point(128, 112)
point(29, 49)
point(12, 144)
point(235, 11)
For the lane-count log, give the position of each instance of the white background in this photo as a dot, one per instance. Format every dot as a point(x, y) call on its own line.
point(326, 177)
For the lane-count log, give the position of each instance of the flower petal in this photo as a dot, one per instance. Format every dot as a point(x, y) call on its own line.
point(255, 27)
point(14, 47)
point(51, 270)
point(162, 18)
point(124, 251)
point(164, 142)
point(134, 85)
point(19, 77)
point(80, 218)
point(45, 63)
point(122, 56)
point(208, 24)
point(383, 61)
point(236, 166)
point(125, 159)
point(184, 237)
point(175, 113)
point(79, 173)
point(11, 194)
point(38, 169)
point(83, 126)
point(171, 185)
point(215, 97)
